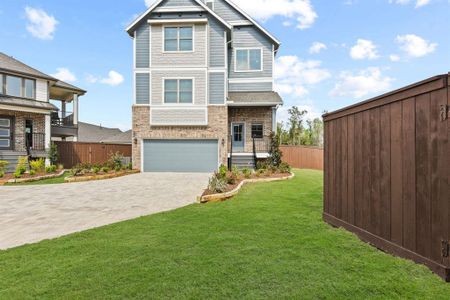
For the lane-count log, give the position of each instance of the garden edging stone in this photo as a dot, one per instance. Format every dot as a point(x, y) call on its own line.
point(24, 180)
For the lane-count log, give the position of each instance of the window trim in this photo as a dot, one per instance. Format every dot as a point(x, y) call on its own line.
point(178, 38)
point(3, 87)
point(178, 91)
point(248, 49)
point(212, 4)
point(262, 129)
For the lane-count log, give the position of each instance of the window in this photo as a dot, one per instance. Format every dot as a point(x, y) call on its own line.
point(257, 131)
point(178, 91)
point(210, 4)
point(13, 86)
point(1, 84)
point(29, 88)
point(248, 60)
point(178, 39)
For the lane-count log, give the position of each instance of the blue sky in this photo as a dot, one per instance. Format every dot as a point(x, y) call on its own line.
point(361, 48)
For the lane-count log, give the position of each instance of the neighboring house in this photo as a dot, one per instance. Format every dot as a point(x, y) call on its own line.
point(203, 86)
point(28, 120)
point(90, 133)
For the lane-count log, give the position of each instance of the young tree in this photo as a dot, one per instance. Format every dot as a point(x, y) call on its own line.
point(275, 154)
point(296, 118)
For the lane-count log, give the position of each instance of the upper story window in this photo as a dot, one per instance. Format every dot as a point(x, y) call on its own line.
point(17, 86)
point(178, 39)
point(210, 4)
point(178, 91)
point(248, 60)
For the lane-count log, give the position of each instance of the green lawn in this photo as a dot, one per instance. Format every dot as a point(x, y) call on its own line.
point(268, 242)
point(56, 180)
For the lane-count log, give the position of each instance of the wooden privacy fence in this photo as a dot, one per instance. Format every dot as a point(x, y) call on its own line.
point(387, 163)
point(71, 153)
point(303, 157)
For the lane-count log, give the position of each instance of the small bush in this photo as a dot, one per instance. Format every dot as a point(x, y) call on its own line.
point(284, 168)
point(116, 160)
point(262, 165)
point(118, 168)
point(231, 178)
point(95, 170)
point(50, 169)
point(32, 172)
point(2, 174)
point(60, 167)
point(217, 184)
point(17, 175)
point(106, 169)
point(130, 166)
point(236, 172)
point(37, 165)
point(21, 166)
point(260, 172)
point(247, 173)
point(53, 154)
point(76, 171)
point(223, 170)
point(3, 165)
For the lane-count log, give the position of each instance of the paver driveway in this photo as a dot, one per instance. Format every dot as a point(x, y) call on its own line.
point(30, 214)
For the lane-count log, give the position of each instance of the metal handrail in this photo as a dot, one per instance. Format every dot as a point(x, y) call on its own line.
point(230, 164)
point(254, 152)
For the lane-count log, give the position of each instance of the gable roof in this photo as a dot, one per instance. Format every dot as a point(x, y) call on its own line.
point(90, 133)
point(246, 15)
point(130, 29)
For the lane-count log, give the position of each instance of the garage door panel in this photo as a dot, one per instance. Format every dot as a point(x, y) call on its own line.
point(180, 155)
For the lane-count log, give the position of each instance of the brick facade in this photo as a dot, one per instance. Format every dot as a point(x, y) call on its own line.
point(217, 129)
point(19, 126)
point(250, 115)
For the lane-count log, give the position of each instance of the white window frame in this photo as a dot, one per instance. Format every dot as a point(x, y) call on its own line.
point(248, 49)
point(4, 86)
point(178, 91)
point(210, 1)
point(178, 38)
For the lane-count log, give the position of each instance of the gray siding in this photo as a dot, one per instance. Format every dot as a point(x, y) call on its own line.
point(185, 15)
point(227, 12)
point(216, 88)
point(163, 116)
point(248, 37)
point(180, 155)
point(216, 44)
point(168, 3)
point(251, 87)
point(142, 88)
point(143, 46)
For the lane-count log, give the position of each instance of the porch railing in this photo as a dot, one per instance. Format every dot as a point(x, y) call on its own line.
point(258, 145)
point(33, 141)
point(61, 119)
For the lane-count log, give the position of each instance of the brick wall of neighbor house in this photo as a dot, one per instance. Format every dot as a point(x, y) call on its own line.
point(19, 126)
point(251, 115)
point(216, 129)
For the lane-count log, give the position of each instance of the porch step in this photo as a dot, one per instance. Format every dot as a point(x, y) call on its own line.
point(243, 161)
point(12, 158)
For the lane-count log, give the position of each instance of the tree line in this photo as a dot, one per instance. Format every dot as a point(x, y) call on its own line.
point(300, 131)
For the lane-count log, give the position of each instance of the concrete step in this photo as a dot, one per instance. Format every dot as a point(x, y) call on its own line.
point(243, 161)
point(12, 158)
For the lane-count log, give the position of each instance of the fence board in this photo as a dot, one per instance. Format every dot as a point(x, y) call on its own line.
point(71, 154)
point(302, 157)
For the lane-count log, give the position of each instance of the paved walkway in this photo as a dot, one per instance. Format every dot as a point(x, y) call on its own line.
point(29, 214)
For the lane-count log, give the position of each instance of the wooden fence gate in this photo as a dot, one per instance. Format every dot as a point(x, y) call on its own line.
point(387, 163)
point(73, 153)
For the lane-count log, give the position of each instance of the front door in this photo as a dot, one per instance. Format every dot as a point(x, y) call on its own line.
point(238, 132)
point(6, 133)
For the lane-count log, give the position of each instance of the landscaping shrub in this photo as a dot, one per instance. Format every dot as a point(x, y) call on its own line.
point(116, 161)
point(32, 172)
point(95, 170)
point(105, 169)
point(76, 171)
point(53, 155)
point(231, 178)
point(284, 168)
point(236, 172)
point(217, 184)
point(223, 170)
point(262, 164)
point(274, 152)
point(3, 165)
point(130, 166)
point(247, 173)
point(37, 165)
point(21, 166)
point(51, 169)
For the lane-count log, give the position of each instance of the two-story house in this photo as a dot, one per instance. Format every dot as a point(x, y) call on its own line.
point(28, 120)
point(203, 88)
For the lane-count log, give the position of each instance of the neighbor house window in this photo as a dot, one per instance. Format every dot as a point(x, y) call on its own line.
point(178, 39)
point(257, 131)
point(13, 86)
point(248, 60)
point(29, 88)
point(178, 91)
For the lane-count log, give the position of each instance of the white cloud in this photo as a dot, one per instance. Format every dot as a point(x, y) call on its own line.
point(316, 47)
point(299, 11)
point(364, 49)
point(40, 24)
point(394, 57)
point(415, 46)
point(64, 74)
point(419, 3)
point(292, 75)
point(114, 78)
point(365, 82)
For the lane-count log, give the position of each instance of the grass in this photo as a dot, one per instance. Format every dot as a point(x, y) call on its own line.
point(56, 180)
point(268, 242)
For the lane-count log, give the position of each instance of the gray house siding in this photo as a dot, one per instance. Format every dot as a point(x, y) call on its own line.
point(251, 87)
point(185, 15)
point(168, 3)
point(142, 88)
point(251, 37)
point(227, 12)
point(216, 88)
point(143, 46)
point(216, 44)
